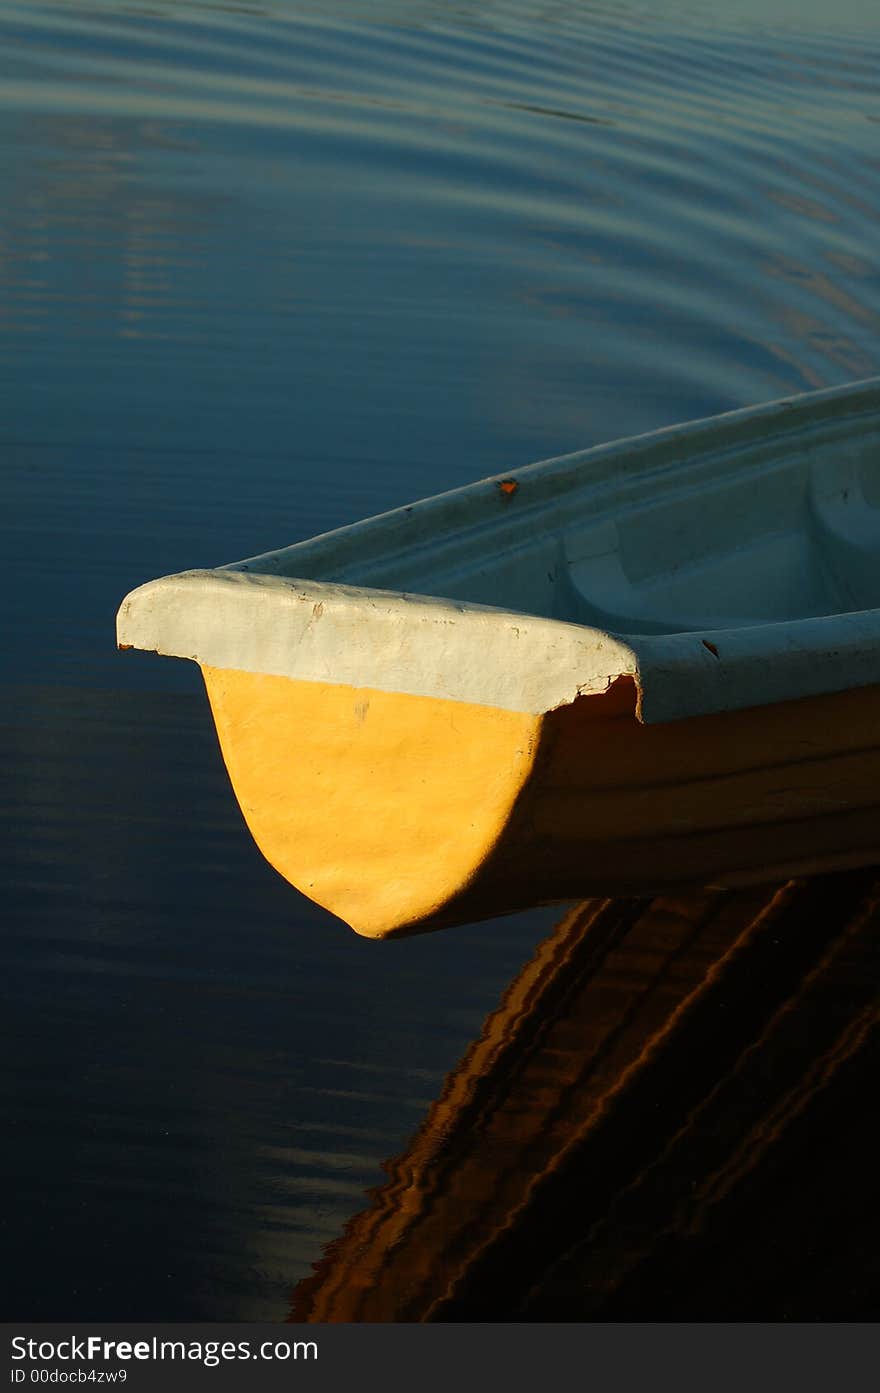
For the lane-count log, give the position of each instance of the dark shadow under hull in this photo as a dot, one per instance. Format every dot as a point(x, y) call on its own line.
point(671, 1116)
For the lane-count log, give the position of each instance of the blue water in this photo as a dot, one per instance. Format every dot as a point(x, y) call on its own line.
point(265, 270)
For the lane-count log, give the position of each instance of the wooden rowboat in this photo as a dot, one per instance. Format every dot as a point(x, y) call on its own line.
point(650, 664)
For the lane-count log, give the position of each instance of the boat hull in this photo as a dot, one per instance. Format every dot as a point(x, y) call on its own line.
point(652, 664)
point(402, 814)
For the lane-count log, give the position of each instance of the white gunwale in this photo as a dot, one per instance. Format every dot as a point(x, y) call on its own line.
point(655, 663)
point(340, 608)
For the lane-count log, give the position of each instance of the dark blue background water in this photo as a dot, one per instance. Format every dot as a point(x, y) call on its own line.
point(265, 270)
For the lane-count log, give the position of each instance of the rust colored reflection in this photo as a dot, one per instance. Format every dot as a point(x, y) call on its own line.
point(664, 1119)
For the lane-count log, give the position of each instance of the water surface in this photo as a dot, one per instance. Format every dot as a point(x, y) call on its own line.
point(266, 269)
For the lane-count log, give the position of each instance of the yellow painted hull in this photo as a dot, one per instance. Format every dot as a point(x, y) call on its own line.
point(651, 664)
point(403, 813)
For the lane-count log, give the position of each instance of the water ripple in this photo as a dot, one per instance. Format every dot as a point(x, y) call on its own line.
point(266, 269)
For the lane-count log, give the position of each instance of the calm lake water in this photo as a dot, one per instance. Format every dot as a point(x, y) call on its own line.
point(265, 269)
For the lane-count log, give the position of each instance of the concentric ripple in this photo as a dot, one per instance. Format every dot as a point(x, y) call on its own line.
point(264, 270)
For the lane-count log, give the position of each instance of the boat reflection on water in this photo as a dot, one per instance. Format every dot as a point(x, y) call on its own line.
point(671, 1116)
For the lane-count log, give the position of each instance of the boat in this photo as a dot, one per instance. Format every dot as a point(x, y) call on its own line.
point(650, 664)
